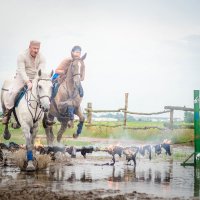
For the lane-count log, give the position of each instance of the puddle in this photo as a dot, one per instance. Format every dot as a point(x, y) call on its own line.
point(161, 178)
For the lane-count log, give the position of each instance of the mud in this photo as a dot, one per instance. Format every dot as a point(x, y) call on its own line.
point(91, 178)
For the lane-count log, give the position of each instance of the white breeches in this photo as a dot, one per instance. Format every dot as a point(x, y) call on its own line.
point(16, 85)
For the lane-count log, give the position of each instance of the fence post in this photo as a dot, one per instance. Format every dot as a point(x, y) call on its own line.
point(125, 109)
point(171, 118)
point(89, 113)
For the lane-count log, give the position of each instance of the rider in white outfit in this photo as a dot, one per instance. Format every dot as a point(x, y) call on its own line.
point(28, 64)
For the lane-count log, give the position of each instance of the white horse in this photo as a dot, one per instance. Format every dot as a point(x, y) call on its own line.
point(30, 110)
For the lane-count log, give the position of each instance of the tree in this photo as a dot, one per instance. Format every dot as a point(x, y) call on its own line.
point(188, 117)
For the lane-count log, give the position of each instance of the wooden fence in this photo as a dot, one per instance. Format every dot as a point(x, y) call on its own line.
point(167, 109)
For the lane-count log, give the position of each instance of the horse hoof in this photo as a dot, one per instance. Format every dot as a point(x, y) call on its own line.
point(6, 135)
point(30, 167)
point(75, 135)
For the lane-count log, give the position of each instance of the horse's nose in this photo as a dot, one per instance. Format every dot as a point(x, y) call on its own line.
point(46, 110)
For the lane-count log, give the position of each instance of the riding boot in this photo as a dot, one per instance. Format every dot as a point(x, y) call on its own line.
point(6, 116)
point(80, 90)
point(55, 89)
point(70, 112)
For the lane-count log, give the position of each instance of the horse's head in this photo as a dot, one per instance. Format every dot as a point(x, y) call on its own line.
point(78, 70)
point(44, 89)
point(75, 69)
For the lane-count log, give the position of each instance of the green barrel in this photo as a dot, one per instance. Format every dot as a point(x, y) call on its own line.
point(196, 128)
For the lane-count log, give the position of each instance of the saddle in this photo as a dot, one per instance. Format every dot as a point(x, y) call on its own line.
point(20, 95)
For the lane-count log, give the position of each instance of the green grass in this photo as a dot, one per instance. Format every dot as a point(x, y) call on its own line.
point(177, 136)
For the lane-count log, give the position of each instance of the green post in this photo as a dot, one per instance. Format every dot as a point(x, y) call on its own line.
point(196, 127)
point(196, 153)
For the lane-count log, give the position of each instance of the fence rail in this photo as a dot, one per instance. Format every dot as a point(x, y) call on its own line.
point(167, 109)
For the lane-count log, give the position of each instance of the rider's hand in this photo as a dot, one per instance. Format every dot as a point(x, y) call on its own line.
point(29, 85)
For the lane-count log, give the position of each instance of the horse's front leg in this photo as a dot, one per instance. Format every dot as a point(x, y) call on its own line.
point(34, 132)
point(48, 129)
point(29, 146)
point(79, 113)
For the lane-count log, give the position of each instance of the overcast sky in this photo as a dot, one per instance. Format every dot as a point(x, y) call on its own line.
point(148, 48)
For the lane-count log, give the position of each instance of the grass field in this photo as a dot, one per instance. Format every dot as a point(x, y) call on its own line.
point(177, 136)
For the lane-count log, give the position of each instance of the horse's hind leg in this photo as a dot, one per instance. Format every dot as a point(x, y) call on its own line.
point(49, 135)
point(62, 130)
point(6, 133)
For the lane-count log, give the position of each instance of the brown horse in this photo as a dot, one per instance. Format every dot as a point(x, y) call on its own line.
point(68, 98)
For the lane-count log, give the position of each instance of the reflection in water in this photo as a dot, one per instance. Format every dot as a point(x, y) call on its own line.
point(86, 177)
point(167, 177)
point(149, 177)
point(196, 181)
point(129, 174)
point(113, 173)
point(156, 178)
point(72, 177)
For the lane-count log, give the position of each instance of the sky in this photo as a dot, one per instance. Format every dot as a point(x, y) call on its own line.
point(148, 48)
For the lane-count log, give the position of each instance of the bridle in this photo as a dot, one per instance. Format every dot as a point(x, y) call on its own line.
point(37, 99)
point(44, 96)
point(75, 74)
point(72, 76)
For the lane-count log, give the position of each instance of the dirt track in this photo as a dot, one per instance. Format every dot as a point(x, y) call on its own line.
point(43, 194)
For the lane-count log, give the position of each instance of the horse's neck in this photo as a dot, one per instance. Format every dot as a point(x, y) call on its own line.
point(65, 90)
point(34, 89)
point(33, 97)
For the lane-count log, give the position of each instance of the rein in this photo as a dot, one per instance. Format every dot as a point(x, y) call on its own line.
point(35, 117)
point(75, 75)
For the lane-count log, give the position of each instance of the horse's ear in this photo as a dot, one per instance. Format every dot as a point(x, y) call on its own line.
point(51, 73)
point(84, 56)
point(39, 72)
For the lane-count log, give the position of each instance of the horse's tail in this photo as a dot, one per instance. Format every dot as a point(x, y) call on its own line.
point(3, 90)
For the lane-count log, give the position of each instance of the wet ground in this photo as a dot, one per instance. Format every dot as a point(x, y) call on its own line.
point(92, 178)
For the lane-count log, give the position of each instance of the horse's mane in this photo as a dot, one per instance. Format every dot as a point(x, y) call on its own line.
point(43, 74)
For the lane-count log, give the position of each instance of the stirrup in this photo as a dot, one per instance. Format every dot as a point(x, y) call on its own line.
point(75, 135)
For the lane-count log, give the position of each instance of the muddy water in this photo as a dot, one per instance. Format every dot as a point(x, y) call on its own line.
point(160, 176)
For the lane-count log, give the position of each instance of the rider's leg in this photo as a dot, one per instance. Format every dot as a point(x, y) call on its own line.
point(70, 112)
point(14, 88)
point(55, 85)
point(55, 89)
point(80, 90)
